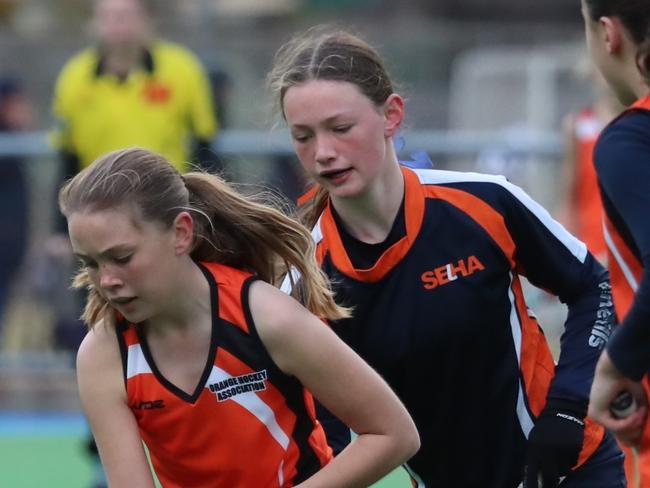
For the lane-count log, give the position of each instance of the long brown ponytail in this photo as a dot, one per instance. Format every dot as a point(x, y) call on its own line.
point(243, 232)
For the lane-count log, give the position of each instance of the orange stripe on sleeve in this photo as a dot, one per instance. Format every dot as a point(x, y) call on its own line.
point(536, 361)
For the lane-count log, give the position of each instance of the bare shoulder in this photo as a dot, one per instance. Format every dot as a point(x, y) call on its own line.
point(287, 329)
point(99, 351)
point(272, 309)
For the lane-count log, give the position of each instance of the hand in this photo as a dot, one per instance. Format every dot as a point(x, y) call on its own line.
point(607, 385)
point(554, 443)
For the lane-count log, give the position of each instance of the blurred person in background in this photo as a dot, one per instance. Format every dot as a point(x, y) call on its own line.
point(16, 114)
point(618, 38)
point(430, 263)
point(582, 208)
point(128, 89)
point(132, 88)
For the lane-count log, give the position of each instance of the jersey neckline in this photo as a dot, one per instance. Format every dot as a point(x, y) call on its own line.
point(413, 215)
point(207, 369)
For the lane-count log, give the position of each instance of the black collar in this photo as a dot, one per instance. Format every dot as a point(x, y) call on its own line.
point(146, 62)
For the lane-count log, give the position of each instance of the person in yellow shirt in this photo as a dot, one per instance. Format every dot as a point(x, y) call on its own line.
point(131, 89)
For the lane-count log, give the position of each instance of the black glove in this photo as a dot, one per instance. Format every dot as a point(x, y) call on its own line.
point(554, 443)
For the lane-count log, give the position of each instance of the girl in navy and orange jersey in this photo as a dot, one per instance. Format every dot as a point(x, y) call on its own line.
point(618, 36)
point(430, 261)
point(192, 350)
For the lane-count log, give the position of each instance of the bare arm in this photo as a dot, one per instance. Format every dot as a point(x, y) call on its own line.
point(103, 398)
point(301, 345)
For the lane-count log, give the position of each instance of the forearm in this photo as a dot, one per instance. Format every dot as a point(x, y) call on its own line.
point(589, 324)
point(122, 477)
point(365, 460)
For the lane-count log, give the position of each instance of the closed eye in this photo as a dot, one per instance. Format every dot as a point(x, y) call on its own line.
point(301, 138)
point(122, 259)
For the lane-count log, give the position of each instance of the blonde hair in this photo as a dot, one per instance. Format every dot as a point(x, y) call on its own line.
point(244, 232)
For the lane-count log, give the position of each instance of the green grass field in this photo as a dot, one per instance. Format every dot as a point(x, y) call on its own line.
point(35, 457)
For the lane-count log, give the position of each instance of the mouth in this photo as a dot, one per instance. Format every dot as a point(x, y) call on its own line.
point(335, 174)
point(122, 301)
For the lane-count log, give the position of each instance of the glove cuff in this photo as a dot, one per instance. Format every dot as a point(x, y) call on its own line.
point(576, 408)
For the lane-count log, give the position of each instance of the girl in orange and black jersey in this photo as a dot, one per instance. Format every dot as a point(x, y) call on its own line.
point(192, 350)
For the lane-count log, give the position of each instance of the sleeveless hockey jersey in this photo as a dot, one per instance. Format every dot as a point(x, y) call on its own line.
point(442, 317)
point(623, 169)
point(247, 424)
point(586, 196)
point(625, 266)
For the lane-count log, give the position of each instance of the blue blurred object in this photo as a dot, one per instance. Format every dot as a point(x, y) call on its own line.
point(419, 159)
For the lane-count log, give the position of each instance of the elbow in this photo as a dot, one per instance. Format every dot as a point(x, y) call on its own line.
point(409, 442)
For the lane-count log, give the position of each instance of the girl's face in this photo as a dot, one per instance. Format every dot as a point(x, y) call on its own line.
point(127, 259)
point(340, 136)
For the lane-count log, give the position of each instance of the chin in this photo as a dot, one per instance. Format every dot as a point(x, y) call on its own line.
point(348, 190)
point(134, 317)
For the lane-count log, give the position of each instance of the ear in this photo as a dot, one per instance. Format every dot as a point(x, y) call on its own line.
point(393, 114)
point(183, 233)
point(611, 30)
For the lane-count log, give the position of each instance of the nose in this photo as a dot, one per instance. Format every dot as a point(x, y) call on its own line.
point(107, 278)
point(325, 150)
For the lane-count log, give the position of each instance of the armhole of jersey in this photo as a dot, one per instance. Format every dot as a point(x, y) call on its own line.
point(214, 289)
point(245, 305)
point(252, 328)
point(120, 327)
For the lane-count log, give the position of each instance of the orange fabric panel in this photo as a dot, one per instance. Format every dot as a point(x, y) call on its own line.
point(274, 399)
point(643, 102)
point(594, 434)
point(308, 195)
point(536, 361)
point(230, 305)
point(130, 336)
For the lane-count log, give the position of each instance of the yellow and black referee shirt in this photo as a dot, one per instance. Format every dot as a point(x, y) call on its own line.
point(161, 106)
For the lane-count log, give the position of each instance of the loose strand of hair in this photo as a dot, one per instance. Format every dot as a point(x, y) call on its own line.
point(262, 240)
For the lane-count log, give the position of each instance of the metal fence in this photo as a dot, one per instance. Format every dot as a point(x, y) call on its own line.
point(278, 143)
